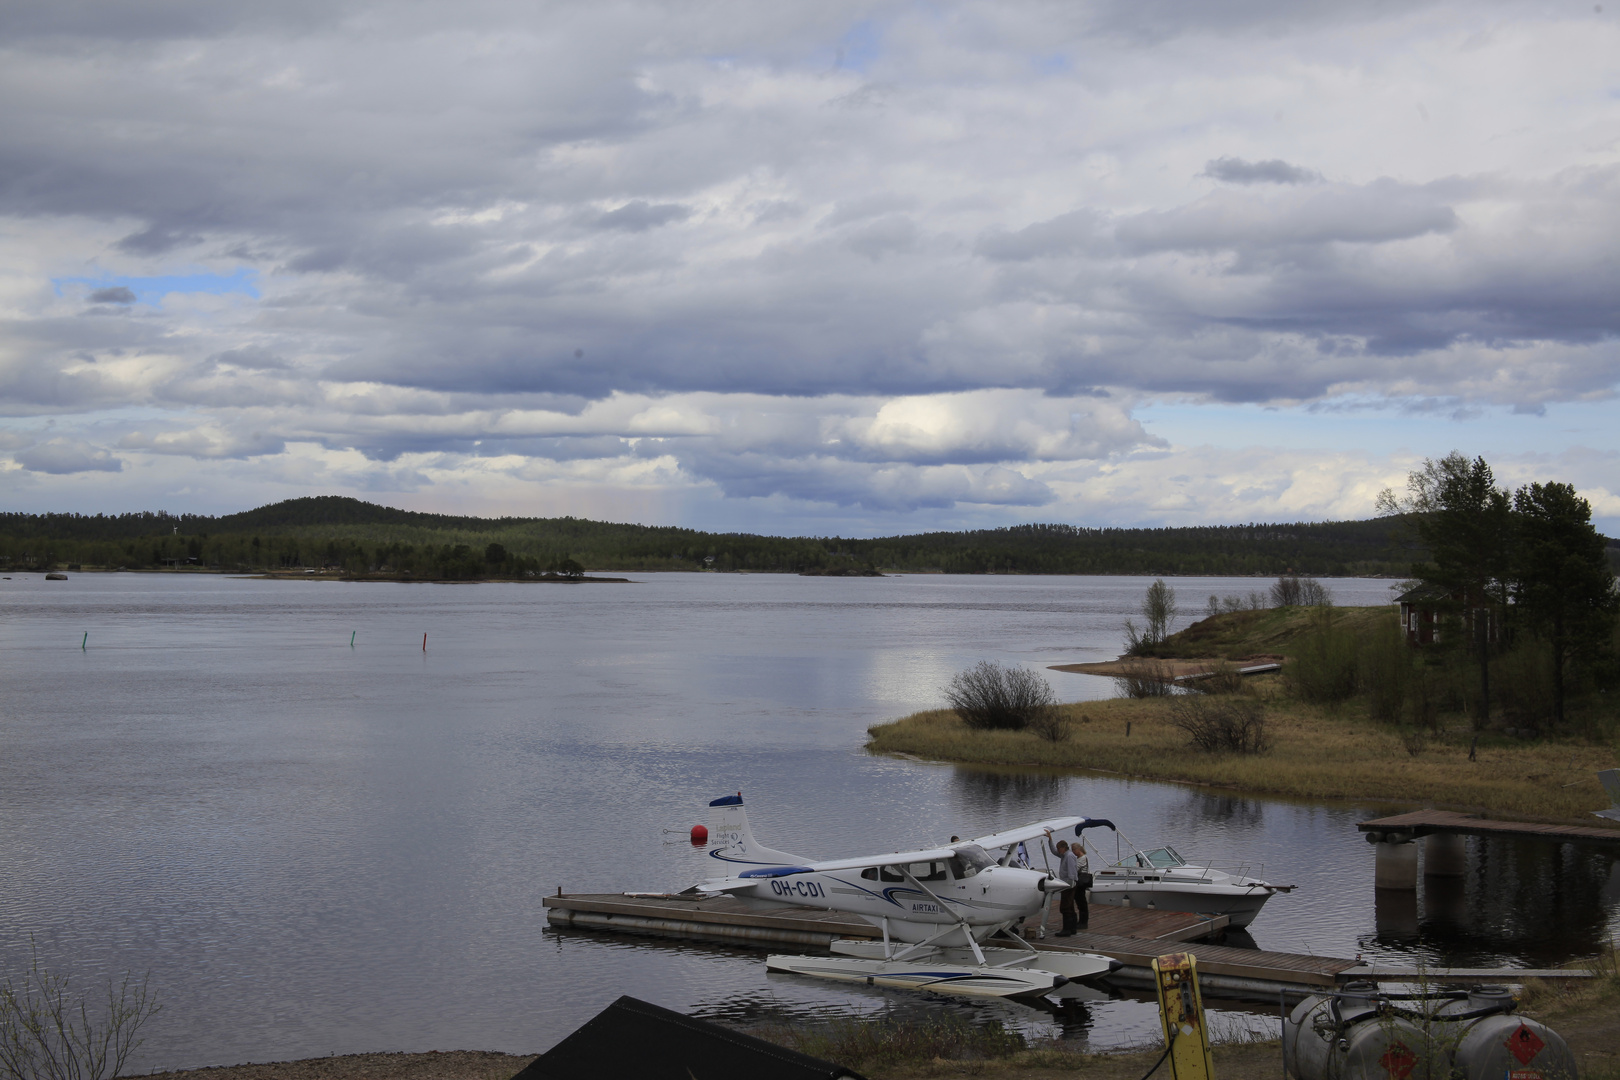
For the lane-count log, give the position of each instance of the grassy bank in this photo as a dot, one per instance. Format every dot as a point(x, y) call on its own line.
point(1316, 754)
point(885, 1050)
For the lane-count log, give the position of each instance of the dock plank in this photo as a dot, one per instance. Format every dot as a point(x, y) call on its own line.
point(1290, 968)
point(1425, 822)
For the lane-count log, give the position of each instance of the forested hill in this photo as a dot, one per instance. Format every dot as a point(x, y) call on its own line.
point(359, 537)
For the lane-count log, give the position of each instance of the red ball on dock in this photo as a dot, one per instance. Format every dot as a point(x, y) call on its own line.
point(700, 836)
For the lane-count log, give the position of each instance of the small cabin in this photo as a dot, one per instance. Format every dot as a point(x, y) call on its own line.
point(1425, 607)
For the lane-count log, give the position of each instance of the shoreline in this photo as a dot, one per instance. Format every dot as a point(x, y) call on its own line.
point(1316, 755)
point(1175, 668)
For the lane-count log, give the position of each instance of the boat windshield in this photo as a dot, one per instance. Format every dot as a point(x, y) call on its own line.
point(1164, 857)
point(972, 858)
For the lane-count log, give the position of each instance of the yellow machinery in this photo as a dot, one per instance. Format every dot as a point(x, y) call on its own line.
point(1181, 1015)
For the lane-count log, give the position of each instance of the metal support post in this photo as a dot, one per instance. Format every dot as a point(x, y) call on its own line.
point(1181, 1017)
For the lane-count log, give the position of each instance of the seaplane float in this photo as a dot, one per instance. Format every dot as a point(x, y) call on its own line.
point(944, 911)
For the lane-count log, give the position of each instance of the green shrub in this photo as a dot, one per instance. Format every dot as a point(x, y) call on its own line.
point(1226, 724)
point(989, 696)
point(1323, 668)
point(1385, 671)
point(1145, 679)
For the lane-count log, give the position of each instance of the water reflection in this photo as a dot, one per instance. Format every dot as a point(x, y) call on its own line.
point(1521, 902)
point(1204, 808)
point(1531, 902)
point(1001, 792)
point(1445, 908)
point(321, 849)
point(1395, 916)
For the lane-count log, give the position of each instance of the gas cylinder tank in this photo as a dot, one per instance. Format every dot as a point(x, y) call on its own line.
point(1508, 1047)
point(1363, 1034)
point(1349, 1037)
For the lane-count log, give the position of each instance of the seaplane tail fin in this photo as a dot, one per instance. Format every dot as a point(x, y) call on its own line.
point(1611, 784)
point(730, 839)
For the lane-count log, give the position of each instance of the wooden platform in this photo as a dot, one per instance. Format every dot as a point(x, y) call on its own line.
point(726, 918)
point(1425, 822)
point(1133, 936)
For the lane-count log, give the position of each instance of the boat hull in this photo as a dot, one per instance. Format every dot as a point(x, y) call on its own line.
point(1239, 905)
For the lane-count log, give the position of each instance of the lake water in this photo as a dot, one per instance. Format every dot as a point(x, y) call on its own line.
point(316, 848)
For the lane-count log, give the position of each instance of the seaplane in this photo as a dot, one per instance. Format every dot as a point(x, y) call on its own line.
point(944, 912)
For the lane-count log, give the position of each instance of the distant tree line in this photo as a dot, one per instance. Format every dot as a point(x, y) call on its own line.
point(360, 538)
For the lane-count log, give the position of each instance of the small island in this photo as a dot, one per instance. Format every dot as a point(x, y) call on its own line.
point(1354, 713)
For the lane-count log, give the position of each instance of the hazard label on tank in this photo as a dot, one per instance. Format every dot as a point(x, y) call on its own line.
point(1524, 1044)
point(1398, 1061)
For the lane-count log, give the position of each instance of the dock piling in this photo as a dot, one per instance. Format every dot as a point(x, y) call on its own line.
point(1445, 855)
point(1396, 866)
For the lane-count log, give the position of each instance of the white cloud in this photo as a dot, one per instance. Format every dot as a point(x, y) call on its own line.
point(498, 247)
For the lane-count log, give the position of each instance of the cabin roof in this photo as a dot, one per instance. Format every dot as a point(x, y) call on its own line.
point(1424, 591)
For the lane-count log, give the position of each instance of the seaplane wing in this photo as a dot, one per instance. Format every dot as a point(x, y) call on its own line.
point(749, 878)
point(1037, 829)
point(894, 858)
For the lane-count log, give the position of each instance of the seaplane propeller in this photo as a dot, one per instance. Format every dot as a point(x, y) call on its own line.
point(944, 913)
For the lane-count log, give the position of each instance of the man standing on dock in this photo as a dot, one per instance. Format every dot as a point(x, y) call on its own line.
point(1069, 871)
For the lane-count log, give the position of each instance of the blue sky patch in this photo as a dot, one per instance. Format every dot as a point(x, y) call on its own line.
point(860, 46)
point(152, 290)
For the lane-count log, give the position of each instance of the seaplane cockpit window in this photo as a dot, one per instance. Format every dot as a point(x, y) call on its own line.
point(970, 859)
point(922, 871)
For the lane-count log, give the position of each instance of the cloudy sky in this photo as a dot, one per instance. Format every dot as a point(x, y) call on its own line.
point(806, 268)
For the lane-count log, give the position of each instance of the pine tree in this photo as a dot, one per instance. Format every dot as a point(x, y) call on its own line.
point(1563, 584)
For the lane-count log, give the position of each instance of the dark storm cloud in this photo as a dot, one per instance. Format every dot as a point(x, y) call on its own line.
point(155, 240)
point(638, 215)
point(1374, 213)
point(1237, 171)
point(62, 456)
point(897, 488)
point(133, 20)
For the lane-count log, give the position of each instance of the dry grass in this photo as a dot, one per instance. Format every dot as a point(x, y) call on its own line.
point(436, 1065)
point(1549, 998)
point(1315, 754)
point(1252, 1060)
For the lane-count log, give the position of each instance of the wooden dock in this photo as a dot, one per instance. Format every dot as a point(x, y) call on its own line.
point(725, 918)
point(1421, 823)
point(1133, 936)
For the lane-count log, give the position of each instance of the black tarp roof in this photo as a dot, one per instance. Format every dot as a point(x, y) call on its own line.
point(634, 1038)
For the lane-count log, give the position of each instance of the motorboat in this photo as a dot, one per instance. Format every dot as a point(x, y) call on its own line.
point(1162, 880)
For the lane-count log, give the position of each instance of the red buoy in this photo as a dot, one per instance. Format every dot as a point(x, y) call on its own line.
point(700, 836)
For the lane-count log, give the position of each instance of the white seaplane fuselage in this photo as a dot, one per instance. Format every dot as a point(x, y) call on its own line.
point(941, 892)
